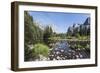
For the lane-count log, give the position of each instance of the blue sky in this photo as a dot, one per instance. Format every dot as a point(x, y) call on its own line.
point(59, 21)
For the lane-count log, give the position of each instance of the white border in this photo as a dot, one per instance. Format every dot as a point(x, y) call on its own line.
point(23, 64)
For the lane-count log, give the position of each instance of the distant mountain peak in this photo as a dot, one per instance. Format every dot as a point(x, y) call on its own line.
point(87, 22)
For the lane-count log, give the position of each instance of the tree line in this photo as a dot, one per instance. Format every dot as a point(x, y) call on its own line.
point(34, 34)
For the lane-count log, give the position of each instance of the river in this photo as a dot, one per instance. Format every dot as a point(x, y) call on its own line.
point(61, 51)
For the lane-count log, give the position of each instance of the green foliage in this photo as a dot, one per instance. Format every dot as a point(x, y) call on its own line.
point(40, 49)
point(77, 35)
point(33, 34)
point(87, 46)
point(47, 34)
point(55, 38)
point(28, 27)
point(79, 46)
point(28, 53)
point(62, 35)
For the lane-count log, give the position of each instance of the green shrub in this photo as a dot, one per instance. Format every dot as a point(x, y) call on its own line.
point(40, 49)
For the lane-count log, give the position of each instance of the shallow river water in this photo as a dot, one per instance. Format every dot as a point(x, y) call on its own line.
point(61, 51)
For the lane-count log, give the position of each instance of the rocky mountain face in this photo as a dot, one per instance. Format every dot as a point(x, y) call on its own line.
point(81, 29)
